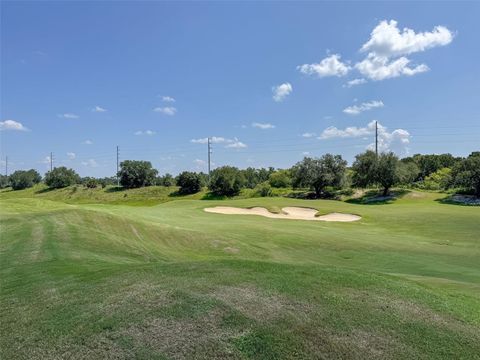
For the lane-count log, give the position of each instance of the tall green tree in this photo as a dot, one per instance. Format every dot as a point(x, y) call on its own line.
point(22, 179)
point(189, 182)
point(467, 173)
point(135, 174)
point(318, 173)
point(61, 177)
point(226, 181)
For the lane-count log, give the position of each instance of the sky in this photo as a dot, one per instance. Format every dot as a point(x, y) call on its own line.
point(269, 82)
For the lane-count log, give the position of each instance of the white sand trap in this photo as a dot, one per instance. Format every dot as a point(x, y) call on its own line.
point(290, 212)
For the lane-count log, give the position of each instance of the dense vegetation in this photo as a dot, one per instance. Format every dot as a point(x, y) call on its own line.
point(323, 176)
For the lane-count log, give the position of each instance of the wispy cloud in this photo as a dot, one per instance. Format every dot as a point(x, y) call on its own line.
point(71, 155)
point(12, 125)
point(90, 163)
point(99, 109)
point(167, 110)
point(87, 142)
point(229, 143)
point(263, 126)
point(308, 135)
point(146, 132)
point(280, 92)
point(355, 82)
point(168, 99)
point(68, 116)
point(357, 109)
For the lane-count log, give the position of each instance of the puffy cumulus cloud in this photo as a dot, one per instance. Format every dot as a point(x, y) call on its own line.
point(167, 110)
point(388, 45)
point(236, 144)
point(281, 91)
point(355, 82)
point(12, 125)
point(329, 66)
point(387, 40)
point(380, 68)
point(71, 155)
point(68, 116)
point(146, 132)
point(357, 109)
point(99, 109)
point(263, 126)
point(396, 140)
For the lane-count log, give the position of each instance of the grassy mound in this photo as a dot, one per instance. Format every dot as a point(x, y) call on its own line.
point(91, 279)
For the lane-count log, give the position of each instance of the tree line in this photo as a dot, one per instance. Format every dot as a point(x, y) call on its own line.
point(321, 176)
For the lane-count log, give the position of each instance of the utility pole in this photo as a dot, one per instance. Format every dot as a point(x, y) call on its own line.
point(118, 179)
point(6, 165)
point(209, 155)
point(376, 138)
point(51, 161)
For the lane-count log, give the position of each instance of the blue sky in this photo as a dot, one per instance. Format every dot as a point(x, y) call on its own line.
point(270, 81)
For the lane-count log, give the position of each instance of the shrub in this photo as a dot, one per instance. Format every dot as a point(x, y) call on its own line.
point(280, 179)
point(264, 189)
point(439, 180)
point(135, 174)
point(22, 179)
point(90, 183)
point(61, 177)
point(189, 182)
point(226, 181)
point(166, 180)
point(4, 182)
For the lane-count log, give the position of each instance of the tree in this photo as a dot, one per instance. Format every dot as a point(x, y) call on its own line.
point(165, 180)
point(280, 179)
point(189, 182)
point(317, 174)
point(61, 177)
point(439, 180)
point(22, 179)
point(429, 163)
point(364, 169)
point(407, 172)
point(370, 169)
point(4, 182)
point(226, 181)
point(135, 174)
point(467, 173)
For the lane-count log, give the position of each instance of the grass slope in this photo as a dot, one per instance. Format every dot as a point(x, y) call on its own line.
point(100, 280)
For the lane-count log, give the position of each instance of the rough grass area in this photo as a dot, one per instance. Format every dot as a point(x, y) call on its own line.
point(90, 281)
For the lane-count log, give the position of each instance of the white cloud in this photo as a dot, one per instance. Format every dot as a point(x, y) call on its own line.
point(167, 110)
point(308, 135)
point(71, 155)
point(306, 153)
point(386, 40)
point(330, 66)
point(388, 46)
point(236, 144)
point(280, 92)
point(12, 125)
point(396, 140)
point(355, 82)
point(199, 162)
point(380, 68)
point(90, 163)
point(68, 116)
point(357, 109)
point(45, 160)
point(146, 132)
point(99, 109)
point(263, 126)
point(88, 142)
point(168, 99)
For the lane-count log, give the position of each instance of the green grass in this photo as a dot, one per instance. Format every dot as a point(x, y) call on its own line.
point(86, 275)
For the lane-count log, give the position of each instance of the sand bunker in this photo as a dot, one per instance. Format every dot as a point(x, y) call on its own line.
point(292, 213)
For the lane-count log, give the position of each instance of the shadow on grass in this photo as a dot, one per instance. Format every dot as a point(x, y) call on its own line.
point(373, 197)
point(45, 190)
point(460, 200)
point(113, 189)
point(211, 196)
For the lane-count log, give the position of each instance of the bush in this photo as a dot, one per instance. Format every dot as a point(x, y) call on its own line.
point(4, 182)
point(166, 180)
point(263, 190)
point(61, 177)
point(189, 182)
point(21, 179)
point(226, 181)
point(439, 180)
point(90, 183)
point(135, 174)
point(280, 179)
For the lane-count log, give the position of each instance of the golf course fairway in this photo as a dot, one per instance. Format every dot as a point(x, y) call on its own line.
point(170, 281)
